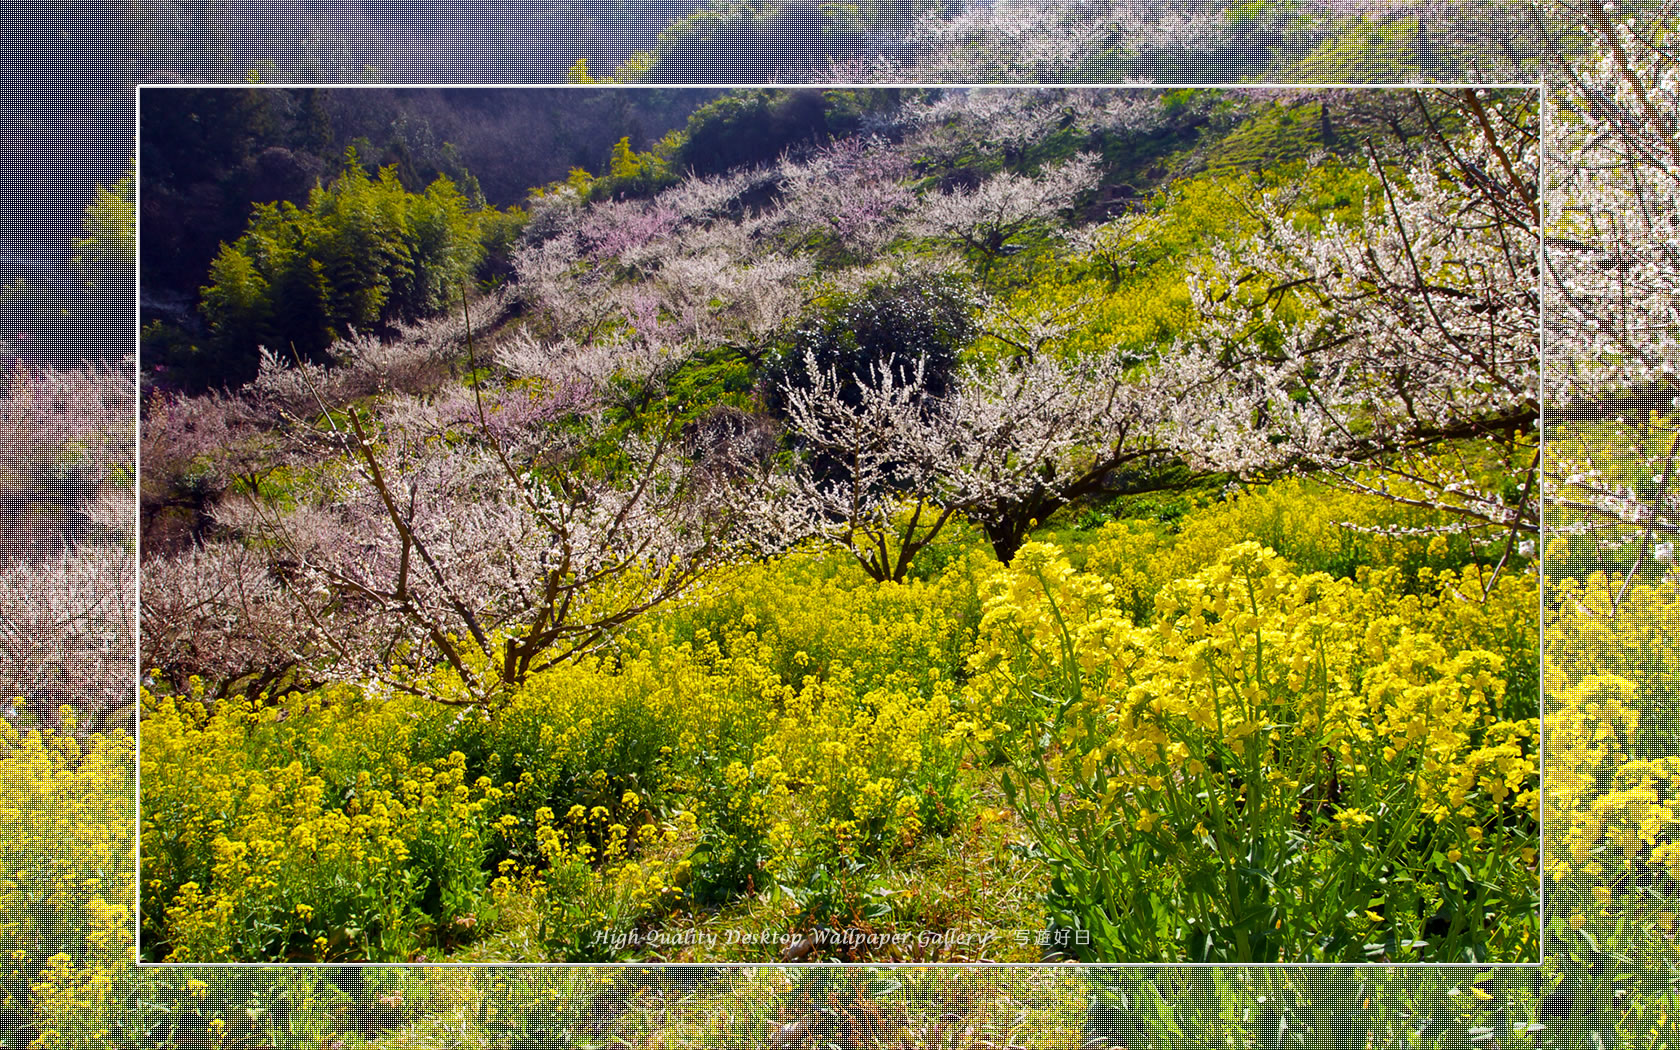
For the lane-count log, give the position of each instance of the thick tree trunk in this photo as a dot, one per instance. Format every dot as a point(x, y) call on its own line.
point(1008, 531)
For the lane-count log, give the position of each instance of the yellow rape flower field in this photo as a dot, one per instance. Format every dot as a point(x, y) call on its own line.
point(1131, 744)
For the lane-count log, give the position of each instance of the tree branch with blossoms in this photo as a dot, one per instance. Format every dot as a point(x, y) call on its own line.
point(1359, 349)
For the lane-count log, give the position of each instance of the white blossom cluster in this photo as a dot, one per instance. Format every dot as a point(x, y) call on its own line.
point(67, 625)
point(217, 610)
point(1051, 40)
point(853, 189)
point(1613, 245)
point(1011, 121)
point(988, 215)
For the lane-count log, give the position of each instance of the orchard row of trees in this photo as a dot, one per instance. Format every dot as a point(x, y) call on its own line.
point(861, 343)
point(272, 146)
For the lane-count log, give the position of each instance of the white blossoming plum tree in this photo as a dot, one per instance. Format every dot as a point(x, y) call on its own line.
point(1005, 444)
point(986, 218)
point(1358, 349)
point(498, 551)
